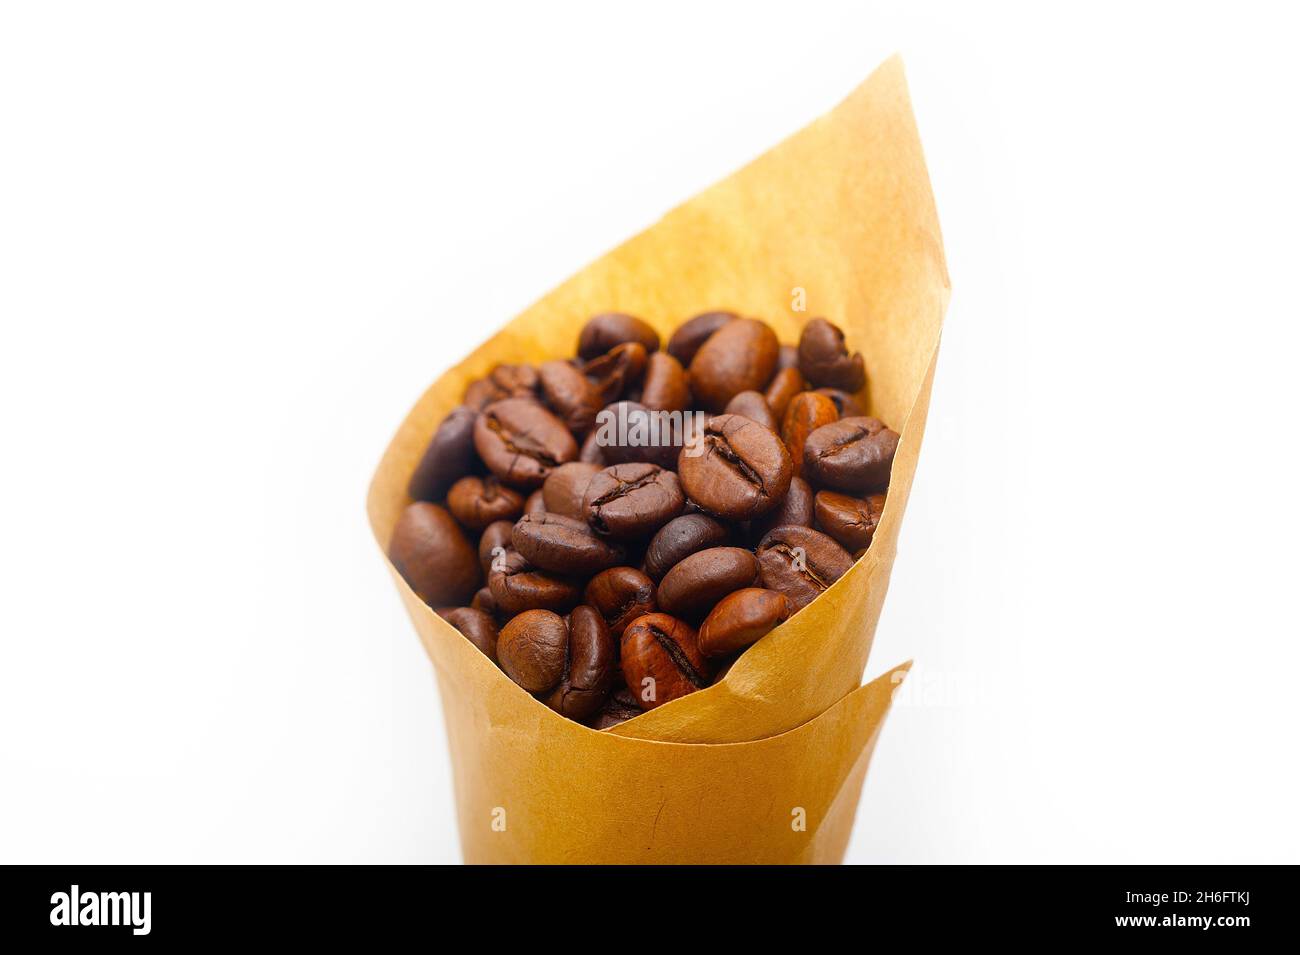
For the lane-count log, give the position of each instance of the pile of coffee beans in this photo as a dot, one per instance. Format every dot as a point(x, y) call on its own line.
point(614, 529)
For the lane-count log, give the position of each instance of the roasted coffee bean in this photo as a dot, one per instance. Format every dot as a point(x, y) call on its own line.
point(631, 501)
point(850, 520)
point(797, 508)
point(690, 335)
point(536, 502)
point(449, 457)
point(752, 405)
point(564, 545)
point(591, 451)
point(662, 661)
point(604, 332)
point(853, 455)
point(845, 403)
point(807, 412)
point(787, 357)
point(570, 394)
point(518, 586)
point(565, 487)
point(521, 442)
point(476, 625)
point(742, 618)
point(740, 356)
point(628, 432)
point(697, 583)
point(664, 386)
point(616, 371)
point(741, 470)
point(483, 600)
point(681, 537)
point(494, 543)
point(620, 595)
point(589, 668)
point(619, 708)
point(785, 384)
point(515, 380)
point(476, 502)
point(801, 563)
point(533, 649)
point(825, 361)
point(432, 554)
point(482, 393)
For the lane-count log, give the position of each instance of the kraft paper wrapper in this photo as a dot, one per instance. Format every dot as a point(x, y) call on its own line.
point(842, 211)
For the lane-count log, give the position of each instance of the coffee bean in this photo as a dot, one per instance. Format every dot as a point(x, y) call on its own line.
point(591, 451)
point(494, 543)
point(620, 595)
point(477, 626)
point(824, 359)
point(631, 433)
point(853, 455)
point(536, 503)
point(614, 372)
point(565, 486)
point(797, 508)
point(481, 393)
point(433, 556)
point(631, 501)
point(807, 412)
point(690, 335)
point(742, 618)
point(449, 457)
point(664, 386)
point(483, 600)
point(698, 582)
point(801, 563)
point(740, 356)
point(604, 332)
point(845, 403)
point(742, 469)
point(533, 649)
point(662, 661)
point(476, 502)
point(619, 708)
point(850, 520)
point(787, 357)
point(521, 442)
point(589, 668)
point(564, 545)
point(518, 586)
point(570, 394)
point(752, 405)
point(785, 384)
point(681, 537)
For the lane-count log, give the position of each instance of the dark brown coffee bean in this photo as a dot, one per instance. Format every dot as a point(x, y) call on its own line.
point(618, 370)
point(620, 595)
point(518, 586)
point(662, 660)
point(740, 471)
point(619, 708)
point(738, 357)
point(801, 563)
point(785, 384)
point(482, 393)
point(589, 668)
point(433, 556)
point(697, 583)
point(824, 359)
point(476, 502)
point(850, 520)
point(845, 403)
point(533, 649)
point(521, 442)
point(787, 357)
point(565, 487)
point(536, 503)
point(752, 405)
point(807, 412)
point(483, 600)
point(664, 386)
point(564, 545)
point(628, 432)
point(742, 618)
point(570, 394)
point(681, 537)
point(449, 457)
point(515, 380)
point(853, 455)
point(479, 627)
point(494, 543)
point(693, 333)
point(604, 332)
point(591, 452)
point(631, 501)
point(796, 508)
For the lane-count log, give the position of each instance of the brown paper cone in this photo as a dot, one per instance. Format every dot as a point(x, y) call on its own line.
point(838, 217)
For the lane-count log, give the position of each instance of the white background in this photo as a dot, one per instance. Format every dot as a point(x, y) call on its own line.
point(237, 240)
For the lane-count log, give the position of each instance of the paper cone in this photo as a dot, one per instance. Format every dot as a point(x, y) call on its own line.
point(839, 219)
